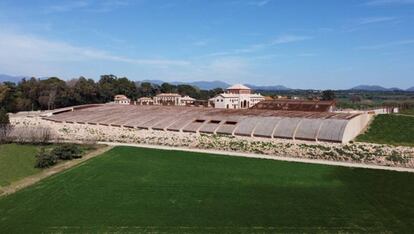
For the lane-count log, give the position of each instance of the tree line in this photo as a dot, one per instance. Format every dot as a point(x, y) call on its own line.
point(51, 93)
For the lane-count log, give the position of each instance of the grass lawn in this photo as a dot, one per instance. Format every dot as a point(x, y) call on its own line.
point(407, 112)
point(16, 162)
point(145, 190)
point(390, 129)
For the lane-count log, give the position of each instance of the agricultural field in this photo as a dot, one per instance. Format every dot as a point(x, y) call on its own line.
point(17, 162)
point(145, 190)
point(390, 129)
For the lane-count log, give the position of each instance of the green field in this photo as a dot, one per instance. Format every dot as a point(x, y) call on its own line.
point(16, 162)
point(143, 190)
point(407, 112)
point(390, 129)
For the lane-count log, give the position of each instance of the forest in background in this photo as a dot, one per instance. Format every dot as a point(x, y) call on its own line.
point(51, 93)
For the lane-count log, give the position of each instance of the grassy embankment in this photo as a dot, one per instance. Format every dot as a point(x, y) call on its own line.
point(407, 112)
point(144, 190)
point(18, 161)
point(390, 129)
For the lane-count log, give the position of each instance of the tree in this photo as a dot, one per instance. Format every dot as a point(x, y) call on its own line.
point(328, 95)
point(45, 159)
point(355, 99)
point(168, 88)
point(188, 90)
point(5, 126)
point(146, 89)
point(85, 91)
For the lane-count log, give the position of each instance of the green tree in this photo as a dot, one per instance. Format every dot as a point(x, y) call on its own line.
point(168, 88)
point(328, 95)
point(5, 126)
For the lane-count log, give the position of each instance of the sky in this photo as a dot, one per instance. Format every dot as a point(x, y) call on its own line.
point(316, 44)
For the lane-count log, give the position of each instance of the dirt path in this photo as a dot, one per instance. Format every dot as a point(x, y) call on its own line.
point(30, 180)
point(263, 156)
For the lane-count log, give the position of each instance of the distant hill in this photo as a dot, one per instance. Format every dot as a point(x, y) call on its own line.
point(269, 88)
point(15, 79)
point(379, 88)
point(369, 88)
point(206, 85)
point(395, 89)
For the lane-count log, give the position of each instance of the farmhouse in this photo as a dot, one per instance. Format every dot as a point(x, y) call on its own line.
point(187, 100)
point(167, 99)
point(122, 99)
point(236, 97)
point(145, 101)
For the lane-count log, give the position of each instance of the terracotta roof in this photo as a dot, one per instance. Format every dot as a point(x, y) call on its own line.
point(121, 97)
point(187, 98)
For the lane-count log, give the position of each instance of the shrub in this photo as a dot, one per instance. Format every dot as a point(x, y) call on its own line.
point(395, 157)
point(45, 159)
point(67, 152)
point(5, 127)
point(33, 135)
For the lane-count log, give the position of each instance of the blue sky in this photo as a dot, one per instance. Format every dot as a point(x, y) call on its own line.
point(300, 44)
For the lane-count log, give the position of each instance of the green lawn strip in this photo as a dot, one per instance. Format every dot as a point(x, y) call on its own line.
point(390, 129)
point(16, 162)
point(145, 190)
point(407, 112)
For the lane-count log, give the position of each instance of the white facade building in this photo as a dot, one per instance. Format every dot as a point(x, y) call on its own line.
point(187, 100)
point(237, 97)
point(167, 99)
point(173, 99)
point(122, 99)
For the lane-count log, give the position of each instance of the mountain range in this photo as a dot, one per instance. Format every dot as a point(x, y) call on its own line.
point(207, 85)
point(14, 79)
point(378, 88)
point(200, 84)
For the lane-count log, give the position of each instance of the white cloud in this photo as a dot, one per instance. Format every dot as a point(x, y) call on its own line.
point(260, 3)
point(388, 2)
point(283, 39)
point(87, 5)
point(373, 20)
point(386, 45)
point(201, 43)
point(288, 39)
point(26, 54)
point(362, 23)
point(307, 55)
point(66, 6)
